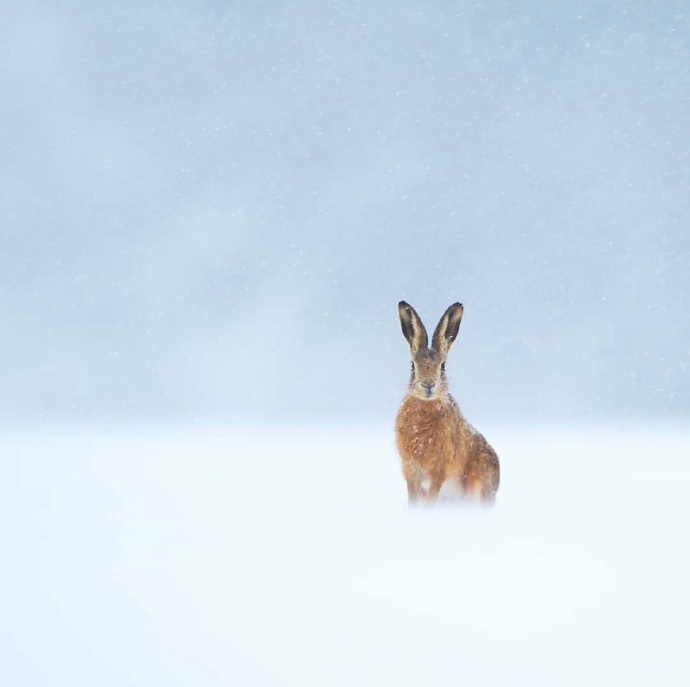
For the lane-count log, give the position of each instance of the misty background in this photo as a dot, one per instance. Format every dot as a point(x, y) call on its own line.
point(211, 209)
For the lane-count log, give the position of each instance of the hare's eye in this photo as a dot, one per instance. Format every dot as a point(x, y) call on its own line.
point(443, 366)
point(413, 366)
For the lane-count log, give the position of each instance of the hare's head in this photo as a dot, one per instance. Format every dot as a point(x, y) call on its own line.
point(428, 380)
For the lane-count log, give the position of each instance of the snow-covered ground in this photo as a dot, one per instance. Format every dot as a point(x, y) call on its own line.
point(291, 558)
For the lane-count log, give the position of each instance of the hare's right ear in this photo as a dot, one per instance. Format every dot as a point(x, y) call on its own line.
point(447, 329)
point(412, 328)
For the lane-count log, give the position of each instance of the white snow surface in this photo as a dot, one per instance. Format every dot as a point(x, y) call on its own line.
point(290, 557)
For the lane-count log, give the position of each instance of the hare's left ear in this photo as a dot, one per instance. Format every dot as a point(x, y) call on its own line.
point(413, 328)
point(447, 329)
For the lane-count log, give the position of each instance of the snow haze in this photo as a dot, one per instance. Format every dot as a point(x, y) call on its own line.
point(212, 209)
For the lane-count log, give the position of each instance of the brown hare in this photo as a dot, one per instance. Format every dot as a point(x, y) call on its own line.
point(435, 442)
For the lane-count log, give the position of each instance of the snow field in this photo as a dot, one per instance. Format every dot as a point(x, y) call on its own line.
point(271, 557)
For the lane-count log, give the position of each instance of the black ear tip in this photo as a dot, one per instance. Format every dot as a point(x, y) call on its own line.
point(402, 304)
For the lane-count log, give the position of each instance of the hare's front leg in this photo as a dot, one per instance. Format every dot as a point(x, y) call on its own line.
point(414, 477)
point(414, 491)
point(435, 485)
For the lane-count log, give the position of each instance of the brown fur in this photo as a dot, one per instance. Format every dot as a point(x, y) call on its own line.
point(435, 442)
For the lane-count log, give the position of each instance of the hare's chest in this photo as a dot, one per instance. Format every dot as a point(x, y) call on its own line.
point(427, 441)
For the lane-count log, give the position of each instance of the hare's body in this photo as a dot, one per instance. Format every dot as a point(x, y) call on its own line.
point(436, 444)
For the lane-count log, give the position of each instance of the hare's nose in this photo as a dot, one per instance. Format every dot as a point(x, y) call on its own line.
point(429, 387)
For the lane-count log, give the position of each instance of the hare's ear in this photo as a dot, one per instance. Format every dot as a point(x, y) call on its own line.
point(412, 328)
point(447, 329)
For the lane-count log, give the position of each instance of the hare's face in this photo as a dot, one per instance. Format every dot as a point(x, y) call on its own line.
point(428, 380)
